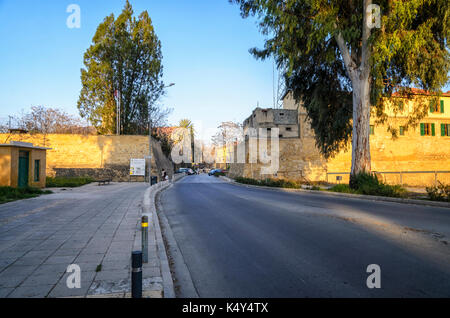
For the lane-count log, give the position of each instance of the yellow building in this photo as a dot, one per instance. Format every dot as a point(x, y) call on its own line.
point(419, 155)
point(22, 165)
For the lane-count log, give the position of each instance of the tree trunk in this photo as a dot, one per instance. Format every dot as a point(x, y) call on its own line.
point(361, 126)
point(360, 77)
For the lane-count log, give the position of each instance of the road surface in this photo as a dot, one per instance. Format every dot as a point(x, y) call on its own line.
point(242, 242)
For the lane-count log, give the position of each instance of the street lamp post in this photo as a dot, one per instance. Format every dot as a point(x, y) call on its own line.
point(118, 101)
point(150, 141)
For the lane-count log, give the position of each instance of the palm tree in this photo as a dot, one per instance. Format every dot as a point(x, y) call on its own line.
point(187, 124)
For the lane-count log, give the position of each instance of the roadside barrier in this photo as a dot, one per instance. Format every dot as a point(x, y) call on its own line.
point(145, 239)
point(136, 274)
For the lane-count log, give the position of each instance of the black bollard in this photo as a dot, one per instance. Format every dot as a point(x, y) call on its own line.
point(136, 274)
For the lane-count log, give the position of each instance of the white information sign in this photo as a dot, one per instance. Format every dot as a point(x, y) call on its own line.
point(137, 167)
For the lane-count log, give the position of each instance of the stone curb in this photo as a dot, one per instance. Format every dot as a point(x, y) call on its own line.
point(145, 294)
point(149, 209)
point(346, 195)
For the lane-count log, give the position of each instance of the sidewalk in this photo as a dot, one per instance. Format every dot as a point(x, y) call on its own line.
point(87, 226)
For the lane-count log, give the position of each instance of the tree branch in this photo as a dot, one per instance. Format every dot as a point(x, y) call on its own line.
point(350, 64)
point(365, 54)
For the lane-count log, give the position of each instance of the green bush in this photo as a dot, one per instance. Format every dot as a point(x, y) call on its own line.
point(247, 181)
point(368, 184)
point(366, 180)
point(218, 174)
point(441, 192)
point(280, 183)
point(8, 194)
point(343, 188)
point(67, 182)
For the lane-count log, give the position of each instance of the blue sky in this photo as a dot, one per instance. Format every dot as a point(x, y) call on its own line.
point(205, 46)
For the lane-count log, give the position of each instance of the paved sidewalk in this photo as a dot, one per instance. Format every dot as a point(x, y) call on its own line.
point(87, 226)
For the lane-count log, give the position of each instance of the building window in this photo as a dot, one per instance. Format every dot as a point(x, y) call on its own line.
point(435, 107)
point(427, 129)
point(37, 170)
point(400, 105)
point(288, 129)
point(445, 130)
point(280, 136)
point(402, 130)
point(442, 106)
point(372, 130)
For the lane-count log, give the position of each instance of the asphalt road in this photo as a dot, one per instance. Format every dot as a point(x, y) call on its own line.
point(247, 242)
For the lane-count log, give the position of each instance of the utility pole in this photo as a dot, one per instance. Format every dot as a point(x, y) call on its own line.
point(150, 147)
point(273, 84)
point(120, 113)
point(193, 147)
point(117, 95)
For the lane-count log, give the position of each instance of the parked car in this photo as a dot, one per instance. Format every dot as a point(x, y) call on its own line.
point(183, 170)
point(214, 171)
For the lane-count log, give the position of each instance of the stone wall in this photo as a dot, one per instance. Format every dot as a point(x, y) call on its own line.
point(300, 159)
point(411, 152)
point(95, 156)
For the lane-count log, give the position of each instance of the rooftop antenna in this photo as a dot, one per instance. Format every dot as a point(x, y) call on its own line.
point(273, 85)
point(281, 86)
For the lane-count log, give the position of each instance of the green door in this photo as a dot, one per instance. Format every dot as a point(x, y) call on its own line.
point(23, 168)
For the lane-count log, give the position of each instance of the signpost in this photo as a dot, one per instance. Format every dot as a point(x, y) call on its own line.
point(137, 167)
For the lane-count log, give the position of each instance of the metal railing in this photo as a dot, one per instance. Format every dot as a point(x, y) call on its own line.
point(401, 173)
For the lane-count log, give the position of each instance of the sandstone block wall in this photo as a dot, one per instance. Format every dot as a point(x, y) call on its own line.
point(95, 156)
point(300, 159)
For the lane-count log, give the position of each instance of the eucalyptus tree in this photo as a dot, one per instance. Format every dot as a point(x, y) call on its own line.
point(344, 57)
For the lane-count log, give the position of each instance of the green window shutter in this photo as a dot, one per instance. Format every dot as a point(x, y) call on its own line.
point(422, 129)
point(442, 129)
point(433, 133)
point(431, 106)
point(442, 106)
